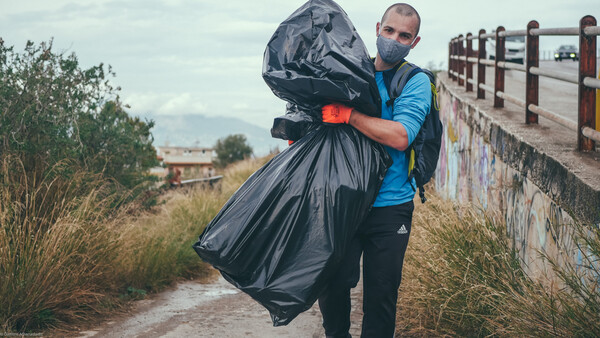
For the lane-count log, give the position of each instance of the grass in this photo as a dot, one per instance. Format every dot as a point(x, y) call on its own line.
point(67, 260)
point(462, 278)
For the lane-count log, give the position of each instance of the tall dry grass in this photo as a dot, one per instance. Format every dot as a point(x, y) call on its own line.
point(462, 278)
point(66, 258)
point(156, 248)
point(54, 249)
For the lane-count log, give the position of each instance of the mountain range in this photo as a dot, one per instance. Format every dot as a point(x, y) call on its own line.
point(193, 130)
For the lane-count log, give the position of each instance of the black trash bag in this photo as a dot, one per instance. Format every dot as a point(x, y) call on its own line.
point(316, 57)
point(282, 234)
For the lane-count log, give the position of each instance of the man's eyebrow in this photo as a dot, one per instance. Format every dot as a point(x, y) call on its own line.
point(390, 27)
point(406, 34)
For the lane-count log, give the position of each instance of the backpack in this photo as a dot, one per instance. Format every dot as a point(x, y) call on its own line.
point(424, 152)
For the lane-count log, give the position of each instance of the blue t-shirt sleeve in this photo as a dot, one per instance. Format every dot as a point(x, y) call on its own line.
point(411, 107)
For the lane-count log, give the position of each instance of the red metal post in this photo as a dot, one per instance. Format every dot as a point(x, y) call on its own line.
point(454, 68)
point(532, 82)
point(587, 96)
point(456, 61)
point(461, 64)
point(450, 58)
point(468, 54)
point(499, 72)
point(481, 66)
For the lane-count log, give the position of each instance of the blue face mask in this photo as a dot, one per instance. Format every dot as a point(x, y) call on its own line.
point(391, 51)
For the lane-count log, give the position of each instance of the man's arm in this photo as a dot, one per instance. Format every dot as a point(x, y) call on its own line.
point(387, 132)
point(409, 113)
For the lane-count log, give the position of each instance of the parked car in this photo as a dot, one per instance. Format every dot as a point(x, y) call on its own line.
point(566, 52)
point(514, 49)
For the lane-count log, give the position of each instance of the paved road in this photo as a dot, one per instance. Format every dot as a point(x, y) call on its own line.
point(555, 95)
point(216, 309)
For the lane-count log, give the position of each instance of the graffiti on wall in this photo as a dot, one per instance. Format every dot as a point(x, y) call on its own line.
point(469, 171)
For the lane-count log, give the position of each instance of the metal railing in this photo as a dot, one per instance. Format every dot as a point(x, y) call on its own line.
point(208, 182)
point(461, 60)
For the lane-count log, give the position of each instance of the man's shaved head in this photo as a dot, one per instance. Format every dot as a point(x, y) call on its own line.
point(404, 10)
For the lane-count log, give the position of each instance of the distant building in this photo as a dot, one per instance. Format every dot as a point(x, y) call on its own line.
point(192, 162)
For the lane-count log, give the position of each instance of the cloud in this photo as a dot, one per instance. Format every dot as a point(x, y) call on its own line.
point(166, 103)
point(240, 106)
point(205, 56)
point(256, 107)
point(206, 65)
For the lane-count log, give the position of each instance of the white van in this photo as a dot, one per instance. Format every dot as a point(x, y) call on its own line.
point(514, 49)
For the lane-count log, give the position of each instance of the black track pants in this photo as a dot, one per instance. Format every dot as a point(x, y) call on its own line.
point(382, 239)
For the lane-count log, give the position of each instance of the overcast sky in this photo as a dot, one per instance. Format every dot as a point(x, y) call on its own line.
point(205, 57)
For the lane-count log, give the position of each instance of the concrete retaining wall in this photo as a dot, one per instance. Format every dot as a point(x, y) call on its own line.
point(484, 162)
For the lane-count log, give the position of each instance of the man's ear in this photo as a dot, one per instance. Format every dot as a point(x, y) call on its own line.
point(415, 43)
point(377, 28)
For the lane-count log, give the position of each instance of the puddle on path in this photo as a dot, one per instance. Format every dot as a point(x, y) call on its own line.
point(164, 306)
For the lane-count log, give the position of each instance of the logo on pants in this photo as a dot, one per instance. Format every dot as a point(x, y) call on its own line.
point(402, 230)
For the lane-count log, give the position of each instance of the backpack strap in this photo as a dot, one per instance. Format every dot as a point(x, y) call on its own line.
point(404, 72)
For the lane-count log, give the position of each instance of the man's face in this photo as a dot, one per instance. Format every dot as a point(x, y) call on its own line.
point(400, 28)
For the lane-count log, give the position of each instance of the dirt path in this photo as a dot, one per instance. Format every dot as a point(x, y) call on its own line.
point(217, 309)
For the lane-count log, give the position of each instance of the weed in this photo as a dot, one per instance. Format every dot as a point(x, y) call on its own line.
point(463, 278)
point(133, 294)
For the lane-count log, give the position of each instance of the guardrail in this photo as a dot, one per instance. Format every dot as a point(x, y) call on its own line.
point(461, 60)
point(209, 182)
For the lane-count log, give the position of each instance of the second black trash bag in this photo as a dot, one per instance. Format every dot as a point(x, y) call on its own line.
point(280, 237)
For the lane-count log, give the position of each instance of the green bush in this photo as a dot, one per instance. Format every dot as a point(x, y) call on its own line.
point(59, 119)
point(231, 149)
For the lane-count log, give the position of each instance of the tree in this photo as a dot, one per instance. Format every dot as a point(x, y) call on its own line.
point(58, 119)
point(117, 145)
point(231, 149)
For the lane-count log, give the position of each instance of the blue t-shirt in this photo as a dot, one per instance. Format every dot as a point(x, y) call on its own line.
point(410, 109)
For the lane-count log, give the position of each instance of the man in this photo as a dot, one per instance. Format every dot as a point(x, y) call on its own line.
point(175, 179)
point(383, 237)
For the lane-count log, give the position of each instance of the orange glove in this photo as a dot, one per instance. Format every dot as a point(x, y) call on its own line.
point(290, 142)
point(336, 113)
